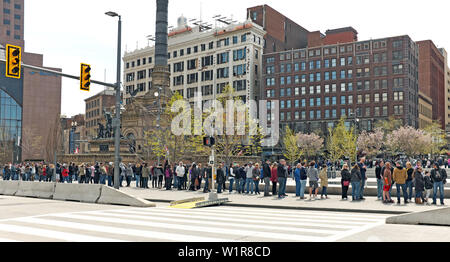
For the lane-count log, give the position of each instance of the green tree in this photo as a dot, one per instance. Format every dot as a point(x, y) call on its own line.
point(438, 138)
point(292, 152)
point(389, 125)
point(342, 142)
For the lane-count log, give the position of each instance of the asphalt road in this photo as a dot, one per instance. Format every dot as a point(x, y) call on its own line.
point(36, 220)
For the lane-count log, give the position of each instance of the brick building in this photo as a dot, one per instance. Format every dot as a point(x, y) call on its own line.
point(94, 110)
point(336, 77)
point(432, 77)
point(282, 33)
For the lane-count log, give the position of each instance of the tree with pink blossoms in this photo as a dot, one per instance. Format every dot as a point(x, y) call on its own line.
point(408, 140)
point(370, 143)
point(311, 144)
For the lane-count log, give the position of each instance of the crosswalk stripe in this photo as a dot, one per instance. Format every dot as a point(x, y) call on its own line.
point(53, 234)
point(229, 224)
point(255, 216)
point(299, 214)
point(226, 220)
point(215, 230)
point(116, 230)
point(306, 212)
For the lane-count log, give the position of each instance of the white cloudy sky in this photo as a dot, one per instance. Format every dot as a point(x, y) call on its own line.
point(71, 32)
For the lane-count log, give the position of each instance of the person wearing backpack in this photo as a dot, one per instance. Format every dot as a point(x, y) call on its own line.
point(438, 176)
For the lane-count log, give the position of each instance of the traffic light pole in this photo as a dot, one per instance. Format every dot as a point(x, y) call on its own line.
point(45, 70)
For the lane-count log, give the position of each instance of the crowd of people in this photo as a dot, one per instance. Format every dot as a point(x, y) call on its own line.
point(245, 179)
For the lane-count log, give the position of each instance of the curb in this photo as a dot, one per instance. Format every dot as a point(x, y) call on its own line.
point(369, 211)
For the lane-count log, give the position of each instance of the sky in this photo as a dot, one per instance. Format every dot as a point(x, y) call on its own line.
point(71, 32)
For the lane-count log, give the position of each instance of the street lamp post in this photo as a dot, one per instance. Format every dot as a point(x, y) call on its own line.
point(355, 121)
point(116, 121)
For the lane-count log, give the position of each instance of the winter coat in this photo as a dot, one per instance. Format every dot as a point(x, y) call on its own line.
point(400, 175)
point(274, 175)
point(146, 172)
point(387, 175)
point(82, 172)
point(356, 175)
point(256, 174)
point(129, 172)
point(266, 170)
point(220, 176)
point(282, 171)
point(438, 175)
point(409, 172)
point(346, 176)
point(428, 183)
point(65, 172)
point(323, 178)
point(419, 182)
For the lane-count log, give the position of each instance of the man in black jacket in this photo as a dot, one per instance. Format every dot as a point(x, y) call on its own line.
point(266, 175)
point(439, 177)
point(379, 176)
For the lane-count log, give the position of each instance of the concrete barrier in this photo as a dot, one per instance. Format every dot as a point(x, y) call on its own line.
point(439, 217)
point(9, 188)
point(113, 196)
point(36, 189)
point(77, 192)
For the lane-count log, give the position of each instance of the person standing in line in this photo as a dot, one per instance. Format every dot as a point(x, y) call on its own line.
point(313, 176)
point(428, 186)
point(379, 176)
point(438, 177)
point(129, 174)
point(232, 178)
point(298, 184)
point(324, 181)
point(220, 178)
point(201, 172)
point(65, 174)
point(362, 169)
point(180, 174)
point(249, 178)
point(303, 180)
point(282, 174)
point(409, 180)
point(346, 177)
point(208, 177)
point(274, 178)
point(356, 182)
point(256, 177)
point(103, 173)
point(168, 174)
point(266, 177)
point(145, 175)
point(110, 169)
point(242, 178)
point(399, 175)
point(138, 175)
point(419, 185)
point(82, 174)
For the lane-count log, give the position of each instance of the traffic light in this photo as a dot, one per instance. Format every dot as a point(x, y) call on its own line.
point(85, 77)
point(13, 61)
point(209, 141)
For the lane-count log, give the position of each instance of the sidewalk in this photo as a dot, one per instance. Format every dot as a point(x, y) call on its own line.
point(334, 203)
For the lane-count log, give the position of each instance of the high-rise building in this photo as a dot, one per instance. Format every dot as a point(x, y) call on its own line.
point(30, 105)
point(447, 89)
point(338, 76)
point(432, 77)
point(12, 22)
point(202, 60)
point(282, 33)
